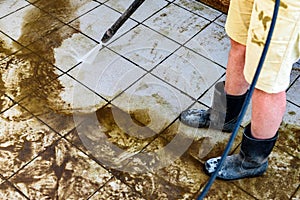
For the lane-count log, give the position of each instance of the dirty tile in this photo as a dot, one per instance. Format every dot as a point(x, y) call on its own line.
point(63, 48)
point(189, 72)
point(221, 20)
point(23, 73)
point(61, 172)
point(7, 46)
point(108, 75)
point(7, 7)
point(176, 23)
point(112, 136)
point(144, 47)
point(283, 172)
point(160, 102)
point(199, 8)
point(96, 22)
point(66, 11)
point(213, 43)
point(58, 102)
point(8, 192)
point(292, 114)
point(22, 138)
point(29, 24)
point(115, 189)
point(5, 102)
point(293, 94)
point(289, 138)
point(147, 9)
point(296, 196)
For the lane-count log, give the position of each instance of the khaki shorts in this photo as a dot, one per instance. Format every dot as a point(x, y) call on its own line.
point(250, 27)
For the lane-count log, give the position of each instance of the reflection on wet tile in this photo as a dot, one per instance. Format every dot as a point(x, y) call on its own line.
point(162, 102)
point(22, 138)
point(63, 48)
point(7, 7)
point(289, 139)
point(8, 192)
point(176, 23)
point(115, 189)
point(28, 24)
point(199, 8)
point(212, 43)
point(147, 9)
point(189, 72)
point(68, 10)
point(293, 94)
point(112, 136)
point(108, 75)
point(61, 172)
point(96, 23)
point(144, 47)
point(57, 102)
point(283, 172)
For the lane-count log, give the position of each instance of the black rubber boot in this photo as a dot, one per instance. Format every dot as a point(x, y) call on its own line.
point(252, 160)
point(222, 115)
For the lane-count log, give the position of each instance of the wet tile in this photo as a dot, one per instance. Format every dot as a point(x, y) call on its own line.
point(22, 138)
point(292, 114)
point(7, 46)
point(147, 9)
point(213, 43)
point(293, 94)
point(105, 76)
point(29, 24)
point(176, 23)
point(63, 48)
point(8, 192)
point(67, 11)
point(115, 189)
point(7, 7)
point(112, 136)
point(283, 172)
point(23, 73)
point(58, 102)
point(189, 72)
point(221, 20)
point(144, 47)
point(5, 103)
point(160, 102)
point(199, 8)
point(95, 23)
point(61, 172)
point(296, 196)
point(289, 138)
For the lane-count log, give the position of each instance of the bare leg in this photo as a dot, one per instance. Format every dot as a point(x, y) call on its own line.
point(267, 113)
point(235, 83)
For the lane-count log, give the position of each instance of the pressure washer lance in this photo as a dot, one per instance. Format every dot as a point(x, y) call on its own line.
point(114, 28)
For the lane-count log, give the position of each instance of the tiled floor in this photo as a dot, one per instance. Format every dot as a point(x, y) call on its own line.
point(108, 128)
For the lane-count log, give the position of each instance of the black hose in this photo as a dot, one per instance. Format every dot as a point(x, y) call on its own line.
point(121, 20)
point(246, 103)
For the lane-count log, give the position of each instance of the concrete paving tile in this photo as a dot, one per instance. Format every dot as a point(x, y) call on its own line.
point(63, 48)
point(7, 192)
point(212, 43)
point(189, 72)
point(147, 9)
point(108, 75)
point(199, 8)
point(159, 101)
point(115, 189)
point(22, 138)
point(292, 114)
point(66, 11)
point(7, 46)
point(293, 94)
point(5, 103)
point(29, 24)
point(296, 196)
point(221, 20)
point(144, 47)
point(7, 7)
point(289, 138)
point(283, 172)
point(112, 136)
point(61, 172)
point(96, 22)
point(176, 23)
point(24, 72)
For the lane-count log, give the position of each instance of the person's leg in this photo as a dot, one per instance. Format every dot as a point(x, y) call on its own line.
point(267, 113)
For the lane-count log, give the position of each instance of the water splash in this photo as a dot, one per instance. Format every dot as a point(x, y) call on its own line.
point(92, 54)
